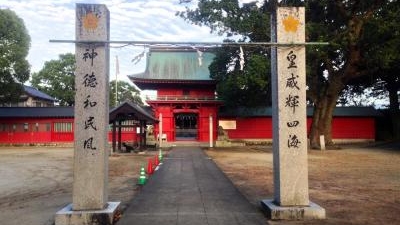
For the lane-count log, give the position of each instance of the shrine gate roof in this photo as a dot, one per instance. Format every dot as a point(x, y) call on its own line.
point(129, 110)
point(180, 63)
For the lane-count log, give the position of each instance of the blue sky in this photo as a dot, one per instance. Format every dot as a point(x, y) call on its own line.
point(134, 20)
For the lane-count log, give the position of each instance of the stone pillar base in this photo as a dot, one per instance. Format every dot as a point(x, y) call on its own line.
point(67, 216)
point(276, 212)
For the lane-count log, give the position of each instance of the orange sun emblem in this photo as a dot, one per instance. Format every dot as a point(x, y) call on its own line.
point(90, 21)
point(291, 24)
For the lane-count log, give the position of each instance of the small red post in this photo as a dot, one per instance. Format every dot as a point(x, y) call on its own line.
point(156, 161)
point(150, 169)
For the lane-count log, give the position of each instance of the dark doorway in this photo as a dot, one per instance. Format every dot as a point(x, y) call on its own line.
point(186, 126)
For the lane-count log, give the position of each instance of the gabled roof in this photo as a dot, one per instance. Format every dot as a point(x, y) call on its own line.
point(129, 110)
point(356, 111)
point(177, 64)
point(154, 84)
point(37, 112)
point(31, 91)
point(351, 111)
point(126, 108)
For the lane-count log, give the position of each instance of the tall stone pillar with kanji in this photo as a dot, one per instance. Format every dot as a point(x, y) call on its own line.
point(91, 149)
point(288, 71)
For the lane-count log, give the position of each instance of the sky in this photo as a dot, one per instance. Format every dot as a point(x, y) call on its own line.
point(130, 20)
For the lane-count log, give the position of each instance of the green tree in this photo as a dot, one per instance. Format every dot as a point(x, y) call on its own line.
point(329, 69)
point(343, 24)
point(57, 79)
point(242, 87)
point(383, 57)
point(238, 85)
point(126, 92)
point(14, 47)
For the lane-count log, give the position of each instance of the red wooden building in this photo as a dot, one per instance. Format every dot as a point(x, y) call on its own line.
point(55, 125)
point(349, 124)
point(185, 105)
point(36, 125)
point(32, 97)
point(185, 98)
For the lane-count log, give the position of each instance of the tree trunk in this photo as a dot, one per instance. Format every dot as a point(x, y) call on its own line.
point(322, 122)
point(326, 92)
point(394, 111)
point(323, 114)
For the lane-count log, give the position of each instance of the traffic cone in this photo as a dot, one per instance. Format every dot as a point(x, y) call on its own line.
point(160, 156)
point(142, 178)
point(150, 169)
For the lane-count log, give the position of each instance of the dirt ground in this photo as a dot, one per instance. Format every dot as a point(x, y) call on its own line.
point(36, 182)
point(356, 185)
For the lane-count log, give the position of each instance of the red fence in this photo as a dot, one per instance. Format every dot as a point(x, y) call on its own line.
point(342, 128)
point(53, 137)
point(34, 131)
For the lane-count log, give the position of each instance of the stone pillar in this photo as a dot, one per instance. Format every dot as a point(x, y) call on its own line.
point(322, 142)
point(289, 119)
point(90, 185)
point(211, 131)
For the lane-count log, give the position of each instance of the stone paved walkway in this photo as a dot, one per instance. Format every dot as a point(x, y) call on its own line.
point(190, 189)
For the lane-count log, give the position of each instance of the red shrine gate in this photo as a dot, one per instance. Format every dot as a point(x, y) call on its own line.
point(185, 119)
point(185, 98)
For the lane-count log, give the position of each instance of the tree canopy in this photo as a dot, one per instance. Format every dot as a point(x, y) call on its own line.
point(383, 57)
point(330, 69)
point(57, 79)
point(249, 86)
point(14, 47)
point(126, 92)
point(242, 73)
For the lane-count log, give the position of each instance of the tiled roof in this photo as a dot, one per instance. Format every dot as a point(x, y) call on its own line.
point(68, 112)
point(130, 109)
point(38, 94)
point(37, 112)
point(352, 111)
point(177, 64)
point(356, 111)
point(154, 84)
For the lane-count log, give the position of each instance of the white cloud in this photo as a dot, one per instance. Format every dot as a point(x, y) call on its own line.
point(152, 20)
